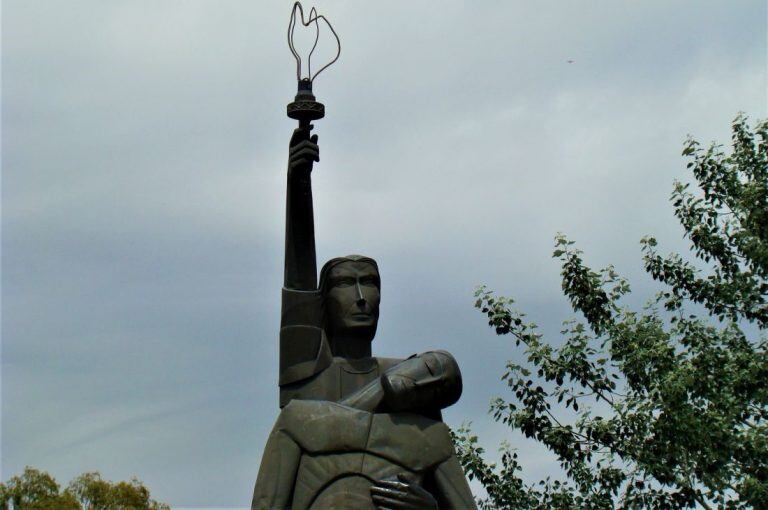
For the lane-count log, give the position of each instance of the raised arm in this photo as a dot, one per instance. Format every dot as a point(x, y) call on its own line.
point(300, 259)
point(304, 350)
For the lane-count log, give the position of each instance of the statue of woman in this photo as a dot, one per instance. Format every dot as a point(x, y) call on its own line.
point(376, 438)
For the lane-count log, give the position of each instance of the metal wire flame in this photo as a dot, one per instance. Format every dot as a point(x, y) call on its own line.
point(313, 18)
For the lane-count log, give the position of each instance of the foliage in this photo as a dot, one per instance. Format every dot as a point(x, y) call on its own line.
point(680, 388)
point(37, 490)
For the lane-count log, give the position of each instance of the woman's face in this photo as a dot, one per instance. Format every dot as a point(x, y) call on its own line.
point(352, 297)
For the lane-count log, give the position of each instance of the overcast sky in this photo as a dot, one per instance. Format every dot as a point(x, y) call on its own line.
point(143, 177)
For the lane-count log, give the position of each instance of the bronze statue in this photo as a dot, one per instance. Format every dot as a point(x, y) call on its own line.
point(355, 431)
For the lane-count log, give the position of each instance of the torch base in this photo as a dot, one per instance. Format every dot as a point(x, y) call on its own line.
point(305, 110)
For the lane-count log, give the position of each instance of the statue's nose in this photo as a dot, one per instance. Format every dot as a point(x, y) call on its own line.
point(360, 298)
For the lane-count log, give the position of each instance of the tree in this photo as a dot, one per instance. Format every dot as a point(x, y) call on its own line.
point(37, 490)
point(680, 387)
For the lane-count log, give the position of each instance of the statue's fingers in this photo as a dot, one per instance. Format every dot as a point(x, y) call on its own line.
point(405, 478)
point(306, 144)
point(392, 484)
point(313, 139)
point(296, 158)
point(385, 503)
point(303, 145)
point(308, 154)
point(391, 492)
point(301, 162)
point(305, 164)
point(407, 483)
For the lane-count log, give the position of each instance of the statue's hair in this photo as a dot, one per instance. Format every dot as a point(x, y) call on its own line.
point(340, 260)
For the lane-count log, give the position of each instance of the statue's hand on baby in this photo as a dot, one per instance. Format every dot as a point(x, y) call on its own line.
point(401, 494)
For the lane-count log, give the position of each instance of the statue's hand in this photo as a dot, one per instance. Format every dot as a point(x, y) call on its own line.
point(401, 495)
point(303, 151)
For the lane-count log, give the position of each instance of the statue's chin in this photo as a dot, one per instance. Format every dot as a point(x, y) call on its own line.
point(353, 342)
point(356, 331)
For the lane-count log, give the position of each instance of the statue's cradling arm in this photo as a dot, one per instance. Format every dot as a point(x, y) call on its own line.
point(420, 385)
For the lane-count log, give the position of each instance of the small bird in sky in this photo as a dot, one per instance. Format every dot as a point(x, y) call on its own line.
point(570, 61)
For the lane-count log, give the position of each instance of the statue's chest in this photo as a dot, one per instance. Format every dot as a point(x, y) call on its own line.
point(338, 381)
point(344, 450)
point(351, 378)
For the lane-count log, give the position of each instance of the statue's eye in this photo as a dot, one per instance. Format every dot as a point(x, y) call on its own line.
point(369, 280)
point(433, 365)
point(344, 282)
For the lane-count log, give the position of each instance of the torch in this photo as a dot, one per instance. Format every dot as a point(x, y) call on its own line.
point(304, 107)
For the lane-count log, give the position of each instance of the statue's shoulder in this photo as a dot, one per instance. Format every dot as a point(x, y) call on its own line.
point(387, 363)
point(304, 349)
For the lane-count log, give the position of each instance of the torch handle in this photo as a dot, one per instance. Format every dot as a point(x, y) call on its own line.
point(304, 107)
